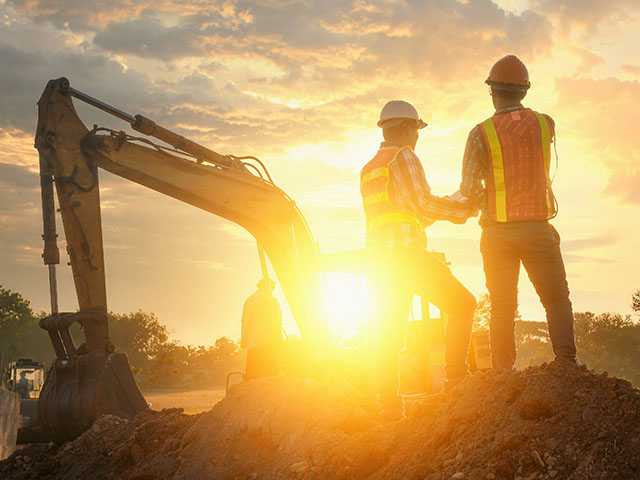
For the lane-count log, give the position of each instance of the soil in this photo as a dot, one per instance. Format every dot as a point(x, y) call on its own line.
point(553, 421)
point(192, 401)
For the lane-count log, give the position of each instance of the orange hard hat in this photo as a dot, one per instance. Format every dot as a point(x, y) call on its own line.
point(509, 73)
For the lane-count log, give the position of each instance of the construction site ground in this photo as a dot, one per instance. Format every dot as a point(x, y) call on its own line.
point(192, 401)
point(553, 421)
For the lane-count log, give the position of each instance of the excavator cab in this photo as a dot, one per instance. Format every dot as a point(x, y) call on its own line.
point(26, 377)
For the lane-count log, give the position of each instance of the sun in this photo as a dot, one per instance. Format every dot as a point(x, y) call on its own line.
point(346, 305)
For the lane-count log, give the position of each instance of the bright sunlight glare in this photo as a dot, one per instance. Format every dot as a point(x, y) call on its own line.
point(348, 311)
point(346, 305)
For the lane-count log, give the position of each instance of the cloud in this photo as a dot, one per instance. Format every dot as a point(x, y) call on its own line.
point(252, 76)
point(20, 221)
point(395, 40)
point(634, 69)
point(16, 177)
point(25, 80)
point(210, 110)
point(572, 258)
point(588, 60)
point(147, 38)
point(201, 263)
point(591, 15)
point(316, 46)
point(605, 115)
point(87, 15)
point(583, 29)
point(18, 149)
point(586, 243)
point(624, 183)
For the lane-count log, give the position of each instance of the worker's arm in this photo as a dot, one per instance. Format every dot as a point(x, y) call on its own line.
point(411, 186)
point(474, 167)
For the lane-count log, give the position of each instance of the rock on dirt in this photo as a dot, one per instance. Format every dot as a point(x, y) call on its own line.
point(547, 422)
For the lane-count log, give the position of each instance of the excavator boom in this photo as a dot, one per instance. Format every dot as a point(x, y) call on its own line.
point(93, 378)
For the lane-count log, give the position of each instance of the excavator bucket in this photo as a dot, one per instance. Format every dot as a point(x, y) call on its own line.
point(77, 393)
point(84, 385)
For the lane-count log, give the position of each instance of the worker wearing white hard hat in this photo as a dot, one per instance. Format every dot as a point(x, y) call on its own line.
point(396, 112)
point(398, 205)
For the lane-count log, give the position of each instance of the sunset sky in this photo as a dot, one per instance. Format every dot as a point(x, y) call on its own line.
point(300, 85)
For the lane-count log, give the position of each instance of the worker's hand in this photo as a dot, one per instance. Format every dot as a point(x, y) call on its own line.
point(475, 205)
point(458, 197)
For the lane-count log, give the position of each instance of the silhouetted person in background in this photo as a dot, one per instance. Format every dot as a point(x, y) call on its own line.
point(262, 331)
point(22, 387)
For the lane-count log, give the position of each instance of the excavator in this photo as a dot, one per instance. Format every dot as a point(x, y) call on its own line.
point(93, 378)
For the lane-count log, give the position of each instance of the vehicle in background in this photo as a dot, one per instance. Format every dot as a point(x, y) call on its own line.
point(25, 377)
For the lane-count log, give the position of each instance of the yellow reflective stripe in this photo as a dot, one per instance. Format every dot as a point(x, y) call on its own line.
point(381, 171)
point(376, 198)
point(498, 169)
point(377, 221)
point(545, 134)
point(399, 216)
point(393, 217)
point(375, 173)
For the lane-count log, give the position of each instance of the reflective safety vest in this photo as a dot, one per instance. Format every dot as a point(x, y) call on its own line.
point(519, 148)
point(380, 213)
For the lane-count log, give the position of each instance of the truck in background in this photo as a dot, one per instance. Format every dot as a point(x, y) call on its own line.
point(25, 378)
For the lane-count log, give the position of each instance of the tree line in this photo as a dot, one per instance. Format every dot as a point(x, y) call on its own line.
point(157, 361)
point(606, 342)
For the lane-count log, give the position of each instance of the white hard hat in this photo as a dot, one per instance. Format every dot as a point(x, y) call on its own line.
point(396, 112)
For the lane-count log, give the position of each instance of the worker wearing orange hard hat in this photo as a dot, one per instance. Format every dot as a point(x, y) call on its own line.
point(506, 168)
point(398, 205)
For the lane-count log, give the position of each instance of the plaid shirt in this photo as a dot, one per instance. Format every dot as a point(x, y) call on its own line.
point(409, 191)
point(475, 164)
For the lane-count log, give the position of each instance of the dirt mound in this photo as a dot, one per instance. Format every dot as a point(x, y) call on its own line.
point(551, 421)
point(547, 422)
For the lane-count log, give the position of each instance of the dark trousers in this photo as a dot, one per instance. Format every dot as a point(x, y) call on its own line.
point(262, 362)
point(537, 245)
point(396, 275)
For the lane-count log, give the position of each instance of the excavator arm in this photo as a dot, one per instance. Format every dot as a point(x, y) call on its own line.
point(94, 378)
